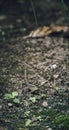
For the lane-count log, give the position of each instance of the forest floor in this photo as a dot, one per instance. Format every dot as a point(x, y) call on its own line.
point(38, 69)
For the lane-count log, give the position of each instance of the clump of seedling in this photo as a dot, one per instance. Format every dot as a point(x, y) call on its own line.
point(13, 98)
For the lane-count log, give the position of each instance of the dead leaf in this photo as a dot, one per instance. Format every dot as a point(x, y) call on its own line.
point(47, 31)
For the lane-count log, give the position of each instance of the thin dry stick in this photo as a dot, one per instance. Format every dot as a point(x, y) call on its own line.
point(25, 74)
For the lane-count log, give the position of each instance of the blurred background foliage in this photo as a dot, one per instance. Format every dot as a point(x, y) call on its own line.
point(20, 16)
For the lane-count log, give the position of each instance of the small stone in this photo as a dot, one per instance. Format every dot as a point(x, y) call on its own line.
point(53, 67)
point(55, 76)
point(45, 104)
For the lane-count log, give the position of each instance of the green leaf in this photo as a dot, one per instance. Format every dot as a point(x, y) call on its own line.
point(16, 100)
point(15, 93)
point(28, 122)
point(8, 95)
point(39, 118)
point(27, 113)
point(23, 30)
point(33, 99)
point(10, 104)
point(43, 95)
point(58, 89)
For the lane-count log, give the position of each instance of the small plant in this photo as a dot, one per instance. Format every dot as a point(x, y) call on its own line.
point(61, 122)
point(58, 89)
point(13, 97)
point(28, 122)
point(33, 99)
point(39, 118)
